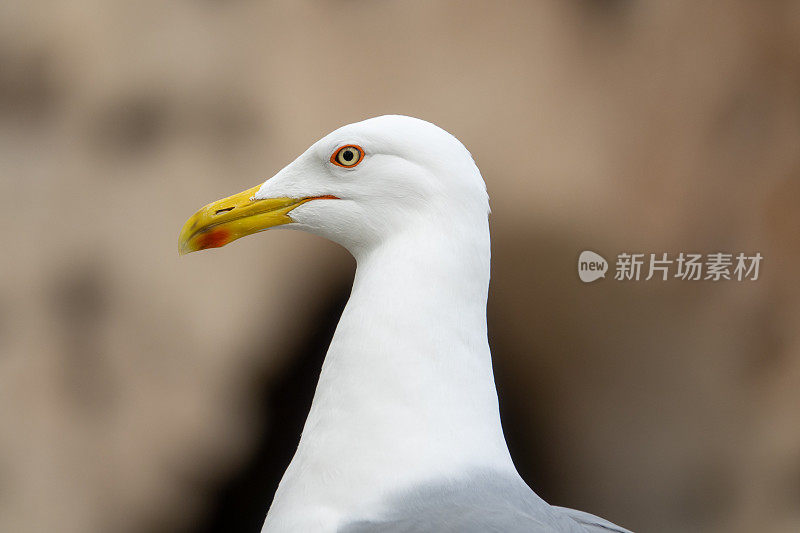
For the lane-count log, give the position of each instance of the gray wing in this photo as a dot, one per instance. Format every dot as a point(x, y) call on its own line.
point(482, 502)
point(591, 522)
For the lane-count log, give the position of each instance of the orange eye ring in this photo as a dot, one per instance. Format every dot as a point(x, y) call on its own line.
point(348, 156)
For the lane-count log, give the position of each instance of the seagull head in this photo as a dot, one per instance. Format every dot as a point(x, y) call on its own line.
point(357, 186)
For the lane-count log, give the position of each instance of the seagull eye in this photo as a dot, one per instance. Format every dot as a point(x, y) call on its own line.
point(347, 156)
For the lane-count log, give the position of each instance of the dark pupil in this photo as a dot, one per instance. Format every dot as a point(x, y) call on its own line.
point(348, 155)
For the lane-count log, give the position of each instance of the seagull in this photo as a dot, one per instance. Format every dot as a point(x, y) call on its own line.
point(404, 431)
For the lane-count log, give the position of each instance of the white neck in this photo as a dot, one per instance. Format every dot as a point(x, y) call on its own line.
point(406, 392)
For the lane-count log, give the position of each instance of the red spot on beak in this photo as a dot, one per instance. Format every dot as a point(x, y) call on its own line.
point(213, 239)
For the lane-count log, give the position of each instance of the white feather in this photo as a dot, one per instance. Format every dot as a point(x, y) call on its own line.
point(406, 396)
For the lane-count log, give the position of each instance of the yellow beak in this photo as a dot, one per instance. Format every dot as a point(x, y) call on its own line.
point(233, 217)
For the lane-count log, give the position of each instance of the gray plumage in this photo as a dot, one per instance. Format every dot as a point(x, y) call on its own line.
point(482, 502)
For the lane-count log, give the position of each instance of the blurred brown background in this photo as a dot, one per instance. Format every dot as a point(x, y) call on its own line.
point(143, 392)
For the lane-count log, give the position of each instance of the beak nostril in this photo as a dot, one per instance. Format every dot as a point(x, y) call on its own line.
point(224, 210)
